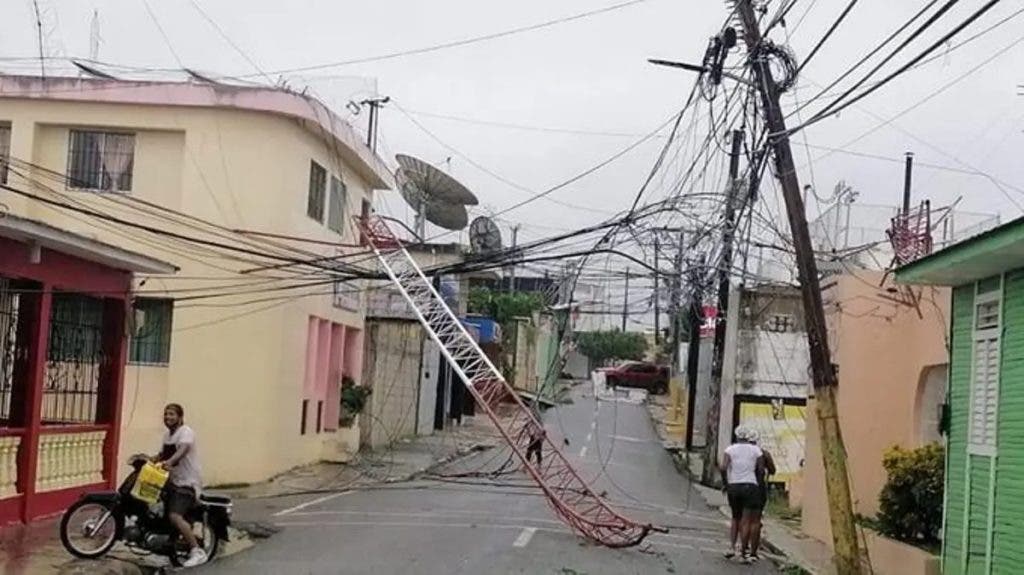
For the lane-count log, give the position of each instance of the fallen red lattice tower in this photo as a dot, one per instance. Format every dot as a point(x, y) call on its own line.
point(570, 496)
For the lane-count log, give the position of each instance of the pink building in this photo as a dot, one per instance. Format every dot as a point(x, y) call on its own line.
point(892, 360)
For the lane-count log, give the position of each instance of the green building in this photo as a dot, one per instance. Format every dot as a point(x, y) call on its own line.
point(983, 529)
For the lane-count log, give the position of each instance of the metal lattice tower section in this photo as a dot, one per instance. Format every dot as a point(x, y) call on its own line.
point(569, 495)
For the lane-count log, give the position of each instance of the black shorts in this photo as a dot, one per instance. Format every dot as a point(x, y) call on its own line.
point(178, 499)
point(744, 497)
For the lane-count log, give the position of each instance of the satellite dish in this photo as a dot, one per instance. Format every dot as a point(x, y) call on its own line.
point(437, 197)
point(484, 235)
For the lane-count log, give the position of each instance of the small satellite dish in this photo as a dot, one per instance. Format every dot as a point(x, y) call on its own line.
point(437, 197)
point(484, 235)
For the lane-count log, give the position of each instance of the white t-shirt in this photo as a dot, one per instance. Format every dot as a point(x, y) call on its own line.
point(743, 462)
point(185, 473)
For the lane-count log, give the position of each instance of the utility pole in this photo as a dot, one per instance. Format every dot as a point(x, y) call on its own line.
point(512, 267)
point(371, 130)
point(677, 281)
point(625, 302)
point(695, 314)
point(710, 473)
point(837, 484)
point(657, 296)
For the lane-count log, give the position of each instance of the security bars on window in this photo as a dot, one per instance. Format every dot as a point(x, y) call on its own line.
point(100, 161)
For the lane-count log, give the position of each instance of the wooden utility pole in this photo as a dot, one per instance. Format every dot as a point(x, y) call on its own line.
point(837, 484)
point(710, 474)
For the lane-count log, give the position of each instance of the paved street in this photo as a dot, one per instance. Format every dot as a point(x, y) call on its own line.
point(475, 525)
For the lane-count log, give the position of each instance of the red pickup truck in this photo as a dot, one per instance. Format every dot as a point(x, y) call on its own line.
point(639, 374)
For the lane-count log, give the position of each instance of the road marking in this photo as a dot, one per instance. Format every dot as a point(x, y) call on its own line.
point(631, 439)
point(583, 452)
point(316, 501)
point(524, 537)
point(593, 424)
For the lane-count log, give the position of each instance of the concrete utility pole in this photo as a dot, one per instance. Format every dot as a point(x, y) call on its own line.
point(694, 318)
point(657, 296)
point(677, 280)
point(625, 302)
point(512, 267)
point(844, 532)
point(710, 474)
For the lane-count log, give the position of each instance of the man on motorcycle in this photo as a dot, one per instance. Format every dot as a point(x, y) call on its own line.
point(178, 454)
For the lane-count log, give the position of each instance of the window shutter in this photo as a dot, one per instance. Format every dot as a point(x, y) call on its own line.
point(985, 394)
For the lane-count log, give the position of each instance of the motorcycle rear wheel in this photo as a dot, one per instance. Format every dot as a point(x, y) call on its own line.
point(91, 521)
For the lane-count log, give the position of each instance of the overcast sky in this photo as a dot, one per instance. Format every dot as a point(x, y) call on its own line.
point(588, 75)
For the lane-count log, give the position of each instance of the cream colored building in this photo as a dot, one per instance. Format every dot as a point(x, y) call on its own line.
point(256, 371)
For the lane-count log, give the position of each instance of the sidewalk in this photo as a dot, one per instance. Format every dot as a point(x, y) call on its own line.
point(35, 549)
point(786, 542)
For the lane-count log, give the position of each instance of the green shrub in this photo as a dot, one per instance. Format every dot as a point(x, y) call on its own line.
point(910, 505)
point(353, 400)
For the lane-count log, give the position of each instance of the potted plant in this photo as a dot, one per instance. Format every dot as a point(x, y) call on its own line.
point(353, 400)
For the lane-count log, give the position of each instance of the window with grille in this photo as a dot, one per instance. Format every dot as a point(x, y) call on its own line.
point(100, 161)
point(336, 213)
point(151, 338)
point(5, 151)
point(984, 403)
point(317, 191)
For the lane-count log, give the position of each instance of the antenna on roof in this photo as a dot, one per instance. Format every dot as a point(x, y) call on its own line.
point(93, 71)
point(39, 39)
point(436, 196)
point(94, 36)
point(200, 77)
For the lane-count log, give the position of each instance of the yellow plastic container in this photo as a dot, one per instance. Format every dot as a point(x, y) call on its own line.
point(150, 482)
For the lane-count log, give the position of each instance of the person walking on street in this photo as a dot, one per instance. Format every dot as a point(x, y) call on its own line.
point(741, 465)
point(764, 472)
point(536, 442)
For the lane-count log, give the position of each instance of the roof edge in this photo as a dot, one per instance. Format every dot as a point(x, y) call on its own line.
point(279, 101)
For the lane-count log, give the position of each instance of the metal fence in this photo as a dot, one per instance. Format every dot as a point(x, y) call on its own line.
point(74, 359)
point(9, 349)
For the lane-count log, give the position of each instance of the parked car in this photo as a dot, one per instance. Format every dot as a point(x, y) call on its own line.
point(639, 374)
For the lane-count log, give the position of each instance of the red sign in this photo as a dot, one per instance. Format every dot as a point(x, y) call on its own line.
point(710, 319)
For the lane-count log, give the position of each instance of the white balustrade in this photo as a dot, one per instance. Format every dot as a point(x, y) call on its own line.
point(9, 466)
point(69, 460)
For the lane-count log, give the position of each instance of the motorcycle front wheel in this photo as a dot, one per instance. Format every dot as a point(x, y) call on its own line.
point(89, 529)
point(206, 538)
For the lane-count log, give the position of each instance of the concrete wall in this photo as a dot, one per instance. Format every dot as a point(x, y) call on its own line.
point(236, 366)
point(430, 367)
point(392, 371)
point(525, 355)
point(884, 352)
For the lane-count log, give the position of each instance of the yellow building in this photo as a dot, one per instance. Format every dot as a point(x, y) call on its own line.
point(252, 334)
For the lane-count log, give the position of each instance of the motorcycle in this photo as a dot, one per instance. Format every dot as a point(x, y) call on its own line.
point(94, 523)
